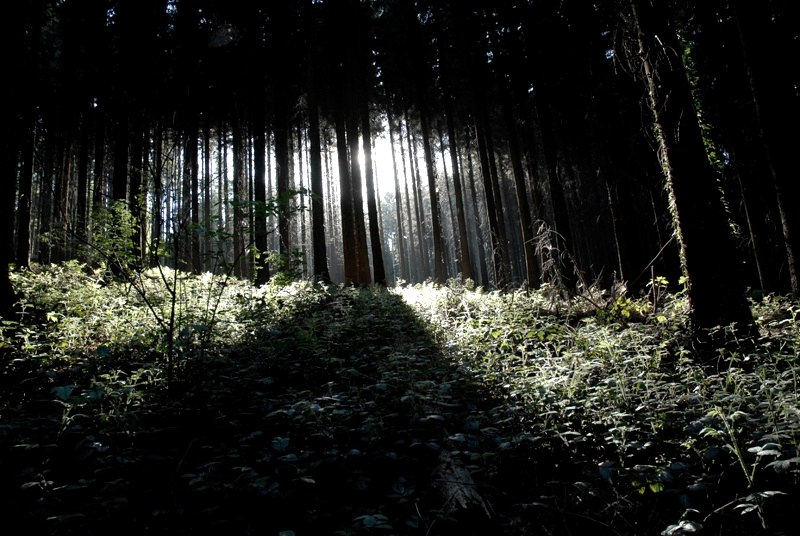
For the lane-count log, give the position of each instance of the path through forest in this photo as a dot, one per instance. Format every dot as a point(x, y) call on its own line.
point(350, 411)
point(341, 419)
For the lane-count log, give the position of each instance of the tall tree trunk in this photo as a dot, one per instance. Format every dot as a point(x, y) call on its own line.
point(223, 212)
point(532, 273)
point(419, 209)
point(433, 190)
point(378, 269)
point(46, 199)
point(208, 222)
point(12, 130)
point(25, 192)
point(98, 170)
point(61, 193)
point(320, 254)
point(497, 231)
point(83, 176)
point(346, 201)
point(360, 239)
point(716, 294)
point(398, 207)
point(194, 168)
point(414, 255)
point(300, 185)
point(281, 134)
point(260, 191)
point(136, 198)
point(19, 42)
point(461, 220)
point(119, 178)
point(563, 272)
point(157, 168)
point(238, 204)
point(483, 272)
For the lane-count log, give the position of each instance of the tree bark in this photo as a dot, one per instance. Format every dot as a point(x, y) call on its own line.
point(363, 276)
point(433, 191)
point(25, 192)
point(238, 192)
point(8, 175)
point(81, 219)
point(378, 268)
point(465, 261)
point(532, 272)
point(319, 249)
point(346, 201)
point(260, 191)
point(716, 294)
point(398, 201)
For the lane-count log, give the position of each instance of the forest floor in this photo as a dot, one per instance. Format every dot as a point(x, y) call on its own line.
point(311, 410)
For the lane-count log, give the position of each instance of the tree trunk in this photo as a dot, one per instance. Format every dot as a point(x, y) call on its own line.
point(532, 273)
point(398, 204)
point(119, 178)
point(46, 199)
point(260, 192)
point(346, 201)
point(360, 238)
point(419, 209)
point(465, 261)
point(320, 267)
point(25, 193)
point(414, 255)
point(98, 170)
point(136, 195)
point(208, 223)
point(12, 131)
point(61, 193)
point(83, 177)
point(378, 268)
point(716, 294)
point(239, 221)
point(433, 191)
point(281, 133)
point(157, 168)
point(483, 271)
point(496, 224)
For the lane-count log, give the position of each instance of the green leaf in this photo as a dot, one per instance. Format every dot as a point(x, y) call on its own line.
point(780, 466)
point(280, 444)
point(63, 392)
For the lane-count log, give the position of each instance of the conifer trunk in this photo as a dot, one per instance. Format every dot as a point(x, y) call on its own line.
point(715, 291)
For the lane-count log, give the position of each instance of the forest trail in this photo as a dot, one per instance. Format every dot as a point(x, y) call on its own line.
point(342, 419)
point(354, 411)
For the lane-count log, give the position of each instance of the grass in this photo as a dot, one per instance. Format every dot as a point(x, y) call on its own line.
point(310, 409)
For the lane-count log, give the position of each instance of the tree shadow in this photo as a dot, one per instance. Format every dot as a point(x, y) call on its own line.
point(340, 416)
point(337, 419)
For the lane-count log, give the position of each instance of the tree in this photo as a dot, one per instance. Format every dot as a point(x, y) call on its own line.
point(320, 254)
point(715, 290)
point(379, 271)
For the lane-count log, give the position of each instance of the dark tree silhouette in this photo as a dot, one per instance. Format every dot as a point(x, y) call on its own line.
point(715, 289)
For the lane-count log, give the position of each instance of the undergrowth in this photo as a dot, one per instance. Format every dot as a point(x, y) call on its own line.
point(651, 434)
point(309, 409)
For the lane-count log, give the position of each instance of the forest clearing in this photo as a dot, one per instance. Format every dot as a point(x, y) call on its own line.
point(317, 409)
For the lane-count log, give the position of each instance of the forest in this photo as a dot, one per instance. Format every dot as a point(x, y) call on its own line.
point(399, 267)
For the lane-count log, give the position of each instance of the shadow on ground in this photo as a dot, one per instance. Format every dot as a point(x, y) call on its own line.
point(340, 419)
point(337, 416)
